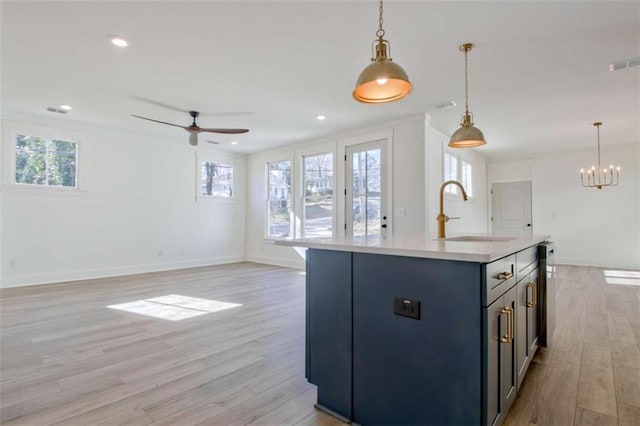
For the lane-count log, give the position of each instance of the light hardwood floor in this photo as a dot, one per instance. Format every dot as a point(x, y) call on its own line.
point(67, 359)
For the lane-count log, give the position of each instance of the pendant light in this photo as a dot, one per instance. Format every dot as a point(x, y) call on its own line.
point(597, 177)
point(467, 136)
point(383, 80)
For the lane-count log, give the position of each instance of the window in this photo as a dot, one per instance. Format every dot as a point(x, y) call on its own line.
point(466, 177)
point(217, 180)
point(455, 168)
point(318, 195)
point(279, 199)
point(45, 162)
point(450, 172)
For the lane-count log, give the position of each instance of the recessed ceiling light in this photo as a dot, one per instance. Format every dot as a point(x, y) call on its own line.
point(66, 107)
point(119, 42)
point(234, 143)
point(321, 117)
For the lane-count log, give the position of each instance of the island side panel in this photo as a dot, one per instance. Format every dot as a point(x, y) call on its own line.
point(329, 328)
point(409, 371)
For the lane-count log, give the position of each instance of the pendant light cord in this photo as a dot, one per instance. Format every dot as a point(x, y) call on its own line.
point(466, 82)
point(380, 32)
point(598, 129)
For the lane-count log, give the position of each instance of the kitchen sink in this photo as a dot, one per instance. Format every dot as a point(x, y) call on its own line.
point(480, 238)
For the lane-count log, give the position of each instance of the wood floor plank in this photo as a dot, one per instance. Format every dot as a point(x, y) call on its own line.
point(586, 417)
point(596, 390)
point(65, 358)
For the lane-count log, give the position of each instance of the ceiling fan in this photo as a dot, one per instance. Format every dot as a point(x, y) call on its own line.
point(194, 129)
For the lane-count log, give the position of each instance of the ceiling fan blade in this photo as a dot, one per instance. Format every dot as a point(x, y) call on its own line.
point(227, 131)
point(160, 104)
point(193, 138)
point(228, 114)
point(158, 121)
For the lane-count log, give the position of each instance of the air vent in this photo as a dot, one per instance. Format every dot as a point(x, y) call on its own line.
point(59, 111)
point(627, 63)
point(445, 104)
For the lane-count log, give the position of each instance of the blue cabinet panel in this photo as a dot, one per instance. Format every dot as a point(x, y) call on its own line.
point(329, 328)
point(408, 371)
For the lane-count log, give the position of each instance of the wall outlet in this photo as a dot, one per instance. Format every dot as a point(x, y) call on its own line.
point(406, 307)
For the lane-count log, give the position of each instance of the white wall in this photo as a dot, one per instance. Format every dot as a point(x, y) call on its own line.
point(135, 210)
point(590, 226)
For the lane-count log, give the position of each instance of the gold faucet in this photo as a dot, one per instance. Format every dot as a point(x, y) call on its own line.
point(443, 218)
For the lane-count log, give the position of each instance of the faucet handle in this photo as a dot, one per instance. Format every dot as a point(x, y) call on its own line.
point(449, 218)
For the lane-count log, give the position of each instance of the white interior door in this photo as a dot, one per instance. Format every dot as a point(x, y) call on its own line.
point(511, 208)
point(366, 189)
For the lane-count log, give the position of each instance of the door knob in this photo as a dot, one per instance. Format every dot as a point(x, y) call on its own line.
point(528, 224)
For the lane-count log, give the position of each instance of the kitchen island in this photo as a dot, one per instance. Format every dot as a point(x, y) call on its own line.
point(418, 330)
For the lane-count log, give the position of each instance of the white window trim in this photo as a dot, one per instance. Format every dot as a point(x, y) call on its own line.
point(208, 157)
point(11, 132)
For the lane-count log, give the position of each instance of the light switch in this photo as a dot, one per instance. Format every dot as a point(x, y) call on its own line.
point(401, 212)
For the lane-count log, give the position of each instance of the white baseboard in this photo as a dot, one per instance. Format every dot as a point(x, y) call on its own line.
point(38, 279)
point(297, 264)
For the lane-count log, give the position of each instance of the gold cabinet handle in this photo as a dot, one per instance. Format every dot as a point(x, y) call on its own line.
point(508, 338)
point(504, 275)
point(534, 296)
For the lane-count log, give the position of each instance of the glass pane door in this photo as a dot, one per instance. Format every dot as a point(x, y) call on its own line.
point(366, 215)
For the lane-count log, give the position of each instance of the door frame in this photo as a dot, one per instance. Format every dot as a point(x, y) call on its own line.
point(341, 170)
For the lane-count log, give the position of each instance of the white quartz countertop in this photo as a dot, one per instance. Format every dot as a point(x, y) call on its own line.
point(424, 245)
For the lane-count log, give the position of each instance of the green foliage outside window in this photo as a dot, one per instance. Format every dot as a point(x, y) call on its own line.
point(45, 162)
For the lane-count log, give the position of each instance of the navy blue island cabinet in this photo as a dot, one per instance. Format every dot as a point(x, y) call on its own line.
point(397, 340)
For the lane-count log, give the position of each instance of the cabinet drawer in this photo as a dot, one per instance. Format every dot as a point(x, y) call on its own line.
point(526, 261)
point(498, 277)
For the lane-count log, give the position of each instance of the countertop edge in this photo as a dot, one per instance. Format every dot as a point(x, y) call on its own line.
point(503, 249)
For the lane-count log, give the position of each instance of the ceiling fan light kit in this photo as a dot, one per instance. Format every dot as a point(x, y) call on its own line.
point(467, 136)
point(597, 177)
point(194, 129)
point(383, 80)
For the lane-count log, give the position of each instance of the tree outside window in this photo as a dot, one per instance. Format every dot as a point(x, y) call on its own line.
point(279, 199)
point(318, 198)
point(217, 180)
point(45, 162)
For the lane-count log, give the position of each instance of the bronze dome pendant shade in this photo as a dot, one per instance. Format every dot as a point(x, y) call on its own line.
point(383, 80)
point(467, 136)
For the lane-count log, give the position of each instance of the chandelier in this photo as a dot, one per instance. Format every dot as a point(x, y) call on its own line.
point(597, 177)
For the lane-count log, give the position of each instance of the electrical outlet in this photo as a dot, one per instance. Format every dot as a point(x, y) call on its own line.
point(406, 307)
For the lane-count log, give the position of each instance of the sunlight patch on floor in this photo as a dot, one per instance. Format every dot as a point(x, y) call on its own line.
point(174, 307)
point(622, 277)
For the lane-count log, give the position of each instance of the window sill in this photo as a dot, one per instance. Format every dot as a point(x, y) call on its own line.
point(217, 199)
point(54, 191)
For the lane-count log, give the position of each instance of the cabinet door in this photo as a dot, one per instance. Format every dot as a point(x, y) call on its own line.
point(522, 329)
point(509, 378)
point(532, 313)
point(501, 377)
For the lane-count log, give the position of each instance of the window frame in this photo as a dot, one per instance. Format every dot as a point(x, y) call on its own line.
point(48, 141)
point(291, 198)
point(226, 164)
point(303, 219)
point(12, 129)
point(215, 158)
point(461, 161)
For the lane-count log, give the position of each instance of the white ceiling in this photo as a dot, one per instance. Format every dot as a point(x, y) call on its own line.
point(538, 76)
